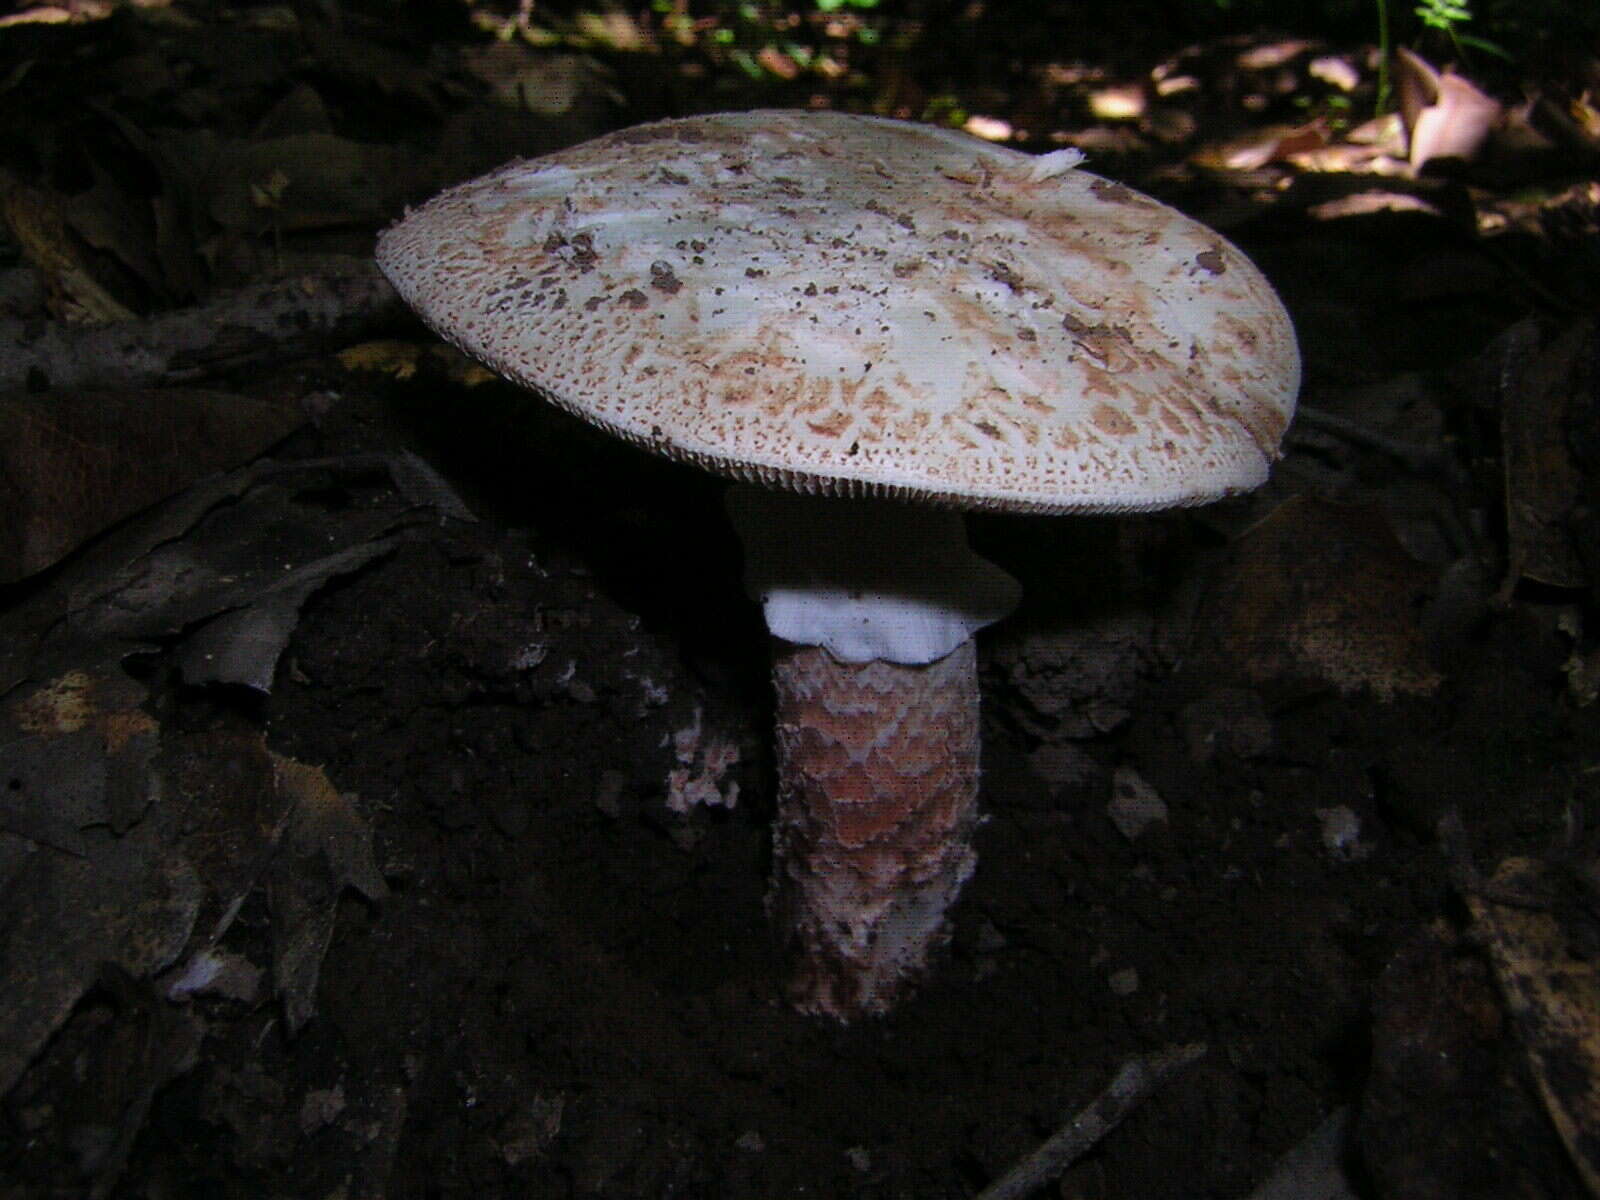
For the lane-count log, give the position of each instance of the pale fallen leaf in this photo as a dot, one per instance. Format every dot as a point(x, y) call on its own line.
point(1274, 143)
point(777, 62)
point(215, 973)
point(1119, 102)
point(1387, 133)
point(1362, 204)
point(1176, 85)
point(1348, 158)
point(1335, 71)
point(990, 129)
point(1272, 54)
point(1445, 115)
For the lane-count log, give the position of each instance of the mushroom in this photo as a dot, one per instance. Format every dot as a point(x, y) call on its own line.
point(878, 324)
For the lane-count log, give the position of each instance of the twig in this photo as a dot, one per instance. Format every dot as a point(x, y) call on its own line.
point(1136, 1080)
point(1419, 460)
point(265, 322)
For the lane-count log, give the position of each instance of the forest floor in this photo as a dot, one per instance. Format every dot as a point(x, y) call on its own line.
point(415, 906)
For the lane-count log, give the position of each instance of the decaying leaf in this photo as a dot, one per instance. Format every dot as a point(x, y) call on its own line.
point(1448, 1110)
point(223, 791)
point(222, 562)
point(73, 463)
point(1274, 143)
point(226, 815)
point(387, 356)
point(77, 750)
point(114, 222)
point(1326, 591)
point(253, 818)
point(222, 815)
point(1548, 390)
point(326, 848)
point(112, 1069)
point(219, 569)
point(50, 248)
point(401, 360)
point(103, 884)
point(115, 849)
point(307, 180)
point(243, 645)
point(1541, 926)
point(130, 901)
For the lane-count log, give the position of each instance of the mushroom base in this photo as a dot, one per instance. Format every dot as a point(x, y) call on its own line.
point(878, 771)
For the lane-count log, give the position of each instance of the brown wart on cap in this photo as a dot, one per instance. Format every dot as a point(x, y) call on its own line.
point(908, 320)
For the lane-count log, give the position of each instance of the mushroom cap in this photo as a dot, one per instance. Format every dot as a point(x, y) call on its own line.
point(858, 306)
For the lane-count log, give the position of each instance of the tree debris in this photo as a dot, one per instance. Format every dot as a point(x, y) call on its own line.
point(261, 323)
point(1133, 1083)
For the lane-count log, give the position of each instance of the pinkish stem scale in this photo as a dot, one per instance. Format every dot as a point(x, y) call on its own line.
point(878, 770)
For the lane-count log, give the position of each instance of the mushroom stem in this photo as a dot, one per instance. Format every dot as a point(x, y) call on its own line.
point(872, 606)
point(878, 771)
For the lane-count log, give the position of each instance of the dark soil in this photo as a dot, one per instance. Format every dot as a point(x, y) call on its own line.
point(574, 991)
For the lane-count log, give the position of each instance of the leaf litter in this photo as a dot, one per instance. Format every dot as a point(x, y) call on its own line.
point(497, 773)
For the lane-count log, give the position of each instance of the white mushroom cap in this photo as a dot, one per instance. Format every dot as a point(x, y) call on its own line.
point(856, 306)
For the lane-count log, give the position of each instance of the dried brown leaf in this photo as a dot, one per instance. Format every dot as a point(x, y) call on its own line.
point(1323, 591)
point(328, 181)
point(73, 291)
point(129, 899)
point(107, 218)
point(1541, 384)
point(1550, 977)
point(326, 848)
point(1275, 143)
point(73, 463)
point(78, 750)
point(225, 795)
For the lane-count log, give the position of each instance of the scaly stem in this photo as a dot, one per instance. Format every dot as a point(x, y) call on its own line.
point(878, 786)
